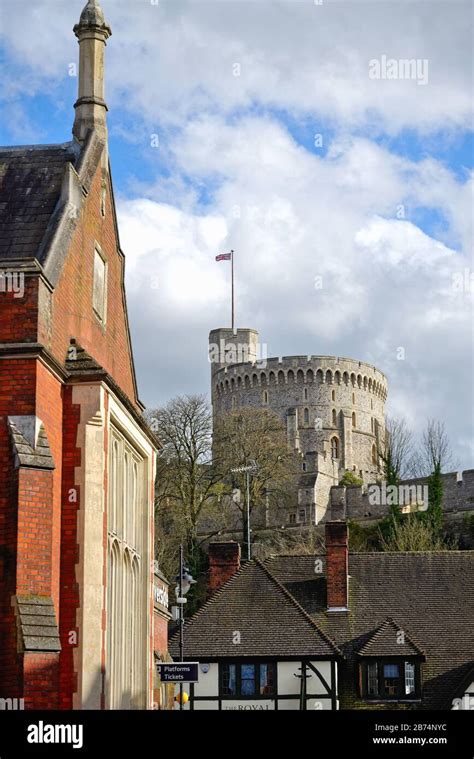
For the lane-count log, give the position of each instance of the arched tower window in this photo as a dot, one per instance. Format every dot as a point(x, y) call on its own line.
point(127, 612)
point(334, 448)
point(306, 416)
point(265, 397)
point(334, 417)
point(374, 454)
point(353, 419)
point(353, 399)
point(305, 394)
point(333, 395)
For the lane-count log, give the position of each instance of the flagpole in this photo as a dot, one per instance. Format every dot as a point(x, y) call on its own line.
point(232, 277)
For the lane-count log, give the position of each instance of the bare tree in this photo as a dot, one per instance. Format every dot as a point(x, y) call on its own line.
point(187, 482)
point(397, 451)
point(256, 435)
point(434, 453)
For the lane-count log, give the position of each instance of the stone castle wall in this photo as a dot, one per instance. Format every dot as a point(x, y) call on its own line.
point(333, 408)
point(353, 502)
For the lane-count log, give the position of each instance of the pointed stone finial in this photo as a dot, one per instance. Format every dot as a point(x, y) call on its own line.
point(93, 16)
point(92, 32)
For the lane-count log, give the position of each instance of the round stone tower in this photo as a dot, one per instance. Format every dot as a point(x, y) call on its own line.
point(333, 408)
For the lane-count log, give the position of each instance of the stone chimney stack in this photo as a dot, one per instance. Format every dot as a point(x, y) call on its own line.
point(337, 566)
point(224, 561)
point(92, 32)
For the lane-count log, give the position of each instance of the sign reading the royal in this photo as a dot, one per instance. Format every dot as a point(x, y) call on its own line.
point(178, 672)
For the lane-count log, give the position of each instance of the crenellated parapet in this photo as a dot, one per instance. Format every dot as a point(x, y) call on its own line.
point(332, 406)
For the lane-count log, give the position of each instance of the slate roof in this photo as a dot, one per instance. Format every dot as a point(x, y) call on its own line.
point(30, 188)
point(269, 620)
point(37, 626)
point(429, 595)
point(390, 640)
point(38, 457)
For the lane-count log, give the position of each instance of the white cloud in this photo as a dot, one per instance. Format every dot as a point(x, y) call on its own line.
point(291, 215)
point(385, 283)
point(172, 60)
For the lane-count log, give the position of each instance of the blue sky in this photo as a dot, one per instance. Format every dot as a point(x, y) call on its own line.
point(381, 210)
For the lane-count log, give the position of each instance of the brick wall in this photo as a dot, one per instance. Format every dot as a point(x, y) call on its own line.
point(69, 591)
point(224, 561)
point(17, 396)
point(337, 564)
point(70, 314)
point(19, 322)
point(41, 677)
point(160, 633)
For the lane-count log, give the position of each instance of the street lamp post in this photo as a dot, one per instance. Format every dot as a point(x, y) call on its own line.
point(185, 580)
point(249, 469)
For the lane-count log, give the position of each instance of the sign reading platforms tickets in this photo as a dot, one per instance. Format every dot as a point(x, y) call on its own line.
point(178, 672)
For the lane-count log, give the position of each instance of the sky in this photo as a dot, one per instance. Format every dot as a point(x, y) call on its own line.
point(330, 144)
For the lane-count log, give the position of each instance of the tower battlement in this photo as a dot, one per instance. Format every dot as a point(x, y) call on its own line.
point(332, 407)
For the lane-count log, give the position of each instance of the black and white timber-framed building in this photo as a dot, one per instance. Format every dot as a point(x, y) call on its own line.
point(334, 631)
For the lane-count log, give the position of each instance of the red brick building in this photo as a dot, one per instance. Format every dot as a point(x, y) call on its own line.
point(77, 461)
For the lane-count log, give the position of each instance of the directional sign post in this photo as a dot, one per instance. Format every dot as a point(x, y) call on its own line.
point(179, 672)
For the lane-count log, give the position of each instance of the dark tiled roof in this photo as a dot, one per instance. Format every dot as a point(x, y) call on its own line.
point(430, 595)
point(269, 620)
point(390, 640)
point(30, 188)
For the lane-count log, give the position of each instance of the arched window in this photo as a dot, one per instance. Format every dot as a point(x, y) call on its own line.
point(374, 454)
point(126, 580)
point(333, 395)
point(334, 448)
point(372, 423)
point(305, 393)
point(353, 419)
point(306, 416)
point(353, 399)
point(234, 402)
point(334, 417)
point(265, 397)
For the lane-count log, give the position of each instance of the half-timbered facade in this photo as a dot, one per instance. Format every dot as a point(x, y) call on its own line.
point(335, 631)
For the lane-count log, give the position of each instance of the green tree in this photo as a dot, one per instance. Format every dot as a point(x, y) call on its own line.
point(349, 478)
point(411, 533)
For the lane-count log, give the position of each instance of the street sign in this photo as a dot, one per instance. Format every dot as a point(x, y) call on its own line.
point(179, 672)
